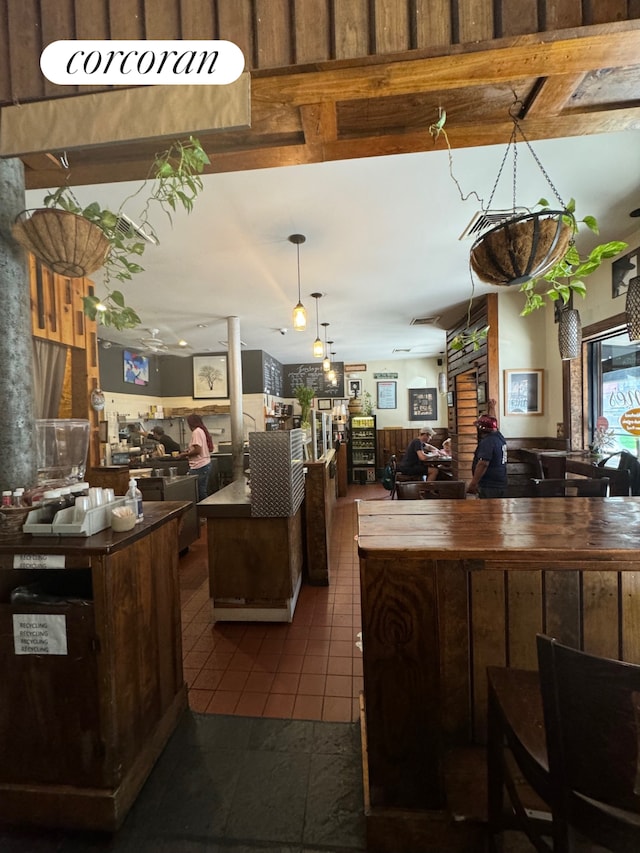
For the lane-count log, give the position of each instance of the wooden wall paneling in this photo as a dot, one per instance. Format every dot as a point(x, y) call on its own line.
point(198, 21)
point(558, 14)
point(80, 287)
point(633, 9)
point(433, 23)
point(5, 54)
point(57, 21)
point(66, 300)
point(24, 48)
point(126, 21)
point(524, 608)
point(392, 26)
point(51, 303)
point(600, 613)
point(167, 624)
point(562, 607)
point(488, 639)
point(352, 29)
point(603, 11)
point(475, 20)
point(162, 19)
point(38, 320)
point(91, 22)
point(274, 39)
point(454, 641)
point(491, 367)
point(235, 23)
point(516, 17)
point(312, 27)
point(630, 618)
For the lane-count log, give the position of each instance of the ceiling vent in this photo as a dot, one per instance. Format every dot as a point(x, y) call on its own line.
point(401, 349)
point(127, 228)
point(485, 219)
point(424, 321)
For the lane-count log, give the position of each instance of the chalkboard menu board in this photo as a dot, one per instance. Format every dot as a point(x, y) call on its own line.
point(273, 375)
point(313, 375)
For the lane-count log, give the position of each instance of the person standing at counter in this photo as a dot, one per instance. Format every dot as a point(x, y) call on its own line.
point(199, 453)
point(158, 434)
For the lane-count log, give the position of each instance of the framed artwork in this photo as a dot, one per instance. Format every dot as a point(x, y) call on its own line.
point(355, 387)
point(324, 404)
point(523, 392)
point(387, 396)
point(423, 404)
point(623, 270)
point(210, 377)
point(136, 368)
point(450, 399)
point(482, 393)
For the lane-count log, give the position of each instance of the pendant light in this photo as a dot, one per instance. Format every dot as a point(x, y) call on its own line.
point(318, 349)
point(299, 321)
point(442, 378)
point(569, 334)
point(632, 309)
point(331, 375)
point(326, 361)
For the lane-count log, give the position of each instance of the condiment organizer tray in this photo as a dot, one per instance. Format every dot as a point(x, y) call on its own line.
point(97, 518)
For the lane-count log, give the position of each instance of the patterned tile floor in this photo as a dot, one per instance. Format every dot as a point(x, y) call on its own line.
point(310, 669)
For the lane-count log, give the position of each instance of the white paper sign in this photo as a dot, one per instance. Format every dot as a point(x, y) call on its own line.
point(39, 634)
point(38, 561)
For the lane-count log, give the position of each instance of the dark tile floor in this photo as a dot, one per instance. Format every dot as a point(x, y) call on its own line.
point(236, 784)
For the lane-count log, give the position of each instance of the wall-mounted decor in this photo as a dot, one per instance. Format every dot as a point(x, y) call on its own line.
point(136, 368)
point(355, 368)
point(210, 377)
point(387, 396)
point(523, 392)
point(355, 387)
point(623, 270)
point(423, 404)
point(482, 393)
point(324, 404)
point(451, 400)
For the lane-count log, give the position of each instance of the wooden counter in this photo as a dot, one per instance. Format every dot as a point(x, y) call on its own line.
point(320, 488)
point(81, 727)
point(449, 588)
point(255, 564)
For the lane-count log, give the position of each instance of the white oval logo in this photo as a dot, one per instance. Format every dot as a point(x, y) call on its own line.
point(142, 63)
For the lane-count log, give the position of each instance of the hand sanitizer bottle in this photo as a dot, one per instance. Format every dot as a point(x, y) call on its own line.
point(134, 499)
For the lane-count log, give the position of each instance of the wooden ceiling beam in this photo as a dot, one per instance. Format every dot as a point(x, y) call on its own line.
point(552, 95)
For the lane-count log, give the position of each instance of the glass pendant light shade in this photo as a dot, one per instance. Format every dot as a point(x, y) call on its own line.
point(569, 334)
point(299, 317)
point(632, 308)
point(326, 361)
point(318, 346)
point(442, 382)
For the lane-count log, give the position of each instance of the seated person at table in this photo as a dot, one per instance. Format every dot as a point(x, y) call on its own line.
point(416, 456)
point(446, 447)
point(158, 434)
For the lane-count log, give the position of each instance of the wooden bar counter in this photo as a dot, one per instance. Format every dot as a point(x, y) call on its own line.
point(449, 588)
point(86, 713)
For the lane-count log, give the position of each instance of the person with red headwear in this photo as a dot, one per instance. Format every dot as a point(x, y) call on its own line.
point(489, 467)
point(199, 454)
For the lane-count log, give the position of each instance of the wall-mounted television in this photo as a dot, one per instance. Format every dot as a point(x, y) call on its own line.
point(136, 368)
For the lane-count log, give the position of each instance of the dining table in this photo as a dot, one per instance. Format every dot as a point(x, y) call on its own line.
point(449, 588)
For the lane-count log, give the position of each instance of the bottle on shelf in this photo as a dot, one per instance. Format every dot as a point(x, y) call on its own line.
point(134, 499)
point(6, 498)
point(17, 497)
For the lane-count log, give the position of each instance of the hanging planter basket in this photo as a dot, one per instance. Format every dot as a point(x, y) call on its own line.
point(521, 249)
point(68, 244)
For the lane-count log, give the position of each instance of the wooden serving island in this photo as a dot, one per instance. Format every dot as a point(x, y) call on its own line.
point(92, 670)
point(255, 563)
point(449, 588)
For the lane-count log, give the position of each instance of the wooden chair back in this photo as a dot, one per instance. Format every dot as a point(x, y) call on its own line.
point(581, 487)
point(445, 489)
point(591, 716)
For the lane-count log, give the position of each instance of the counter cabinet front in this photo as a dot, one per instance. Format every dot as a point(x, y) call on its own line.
point(81, 726)
point(449, 588)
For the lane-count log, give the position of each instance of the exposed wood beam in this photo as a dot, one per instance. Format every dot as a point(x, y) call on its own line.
point(552, 95)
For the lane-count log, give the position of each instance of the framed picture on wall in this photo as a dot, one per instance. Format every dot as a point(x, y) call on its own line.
point(136, 368)
point(423, 404)
point(210, 377)
point(451, 398)
point(324, 404)
point(387, 396)
point(523, 392)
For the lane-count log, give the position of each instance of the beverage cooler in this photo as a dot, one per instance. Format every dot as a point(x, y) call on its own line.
point(362, 449)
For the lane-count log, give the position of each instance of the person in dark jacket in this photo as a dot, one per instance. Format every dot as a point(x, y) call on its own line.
point(489, 466)
point(158, 434)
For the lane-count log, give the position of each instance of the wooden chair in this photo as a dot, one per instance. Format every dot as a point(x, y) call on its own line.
point(571, 733)
point(446, 489)
point(579, 487)
point(399, 477)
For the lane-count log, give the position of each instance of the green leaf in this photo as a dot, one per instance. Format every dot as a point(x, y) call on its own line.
point(117, 297)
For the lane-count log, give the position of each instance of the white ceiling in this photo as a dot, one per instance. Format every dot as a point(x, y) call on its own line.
point(382, 245)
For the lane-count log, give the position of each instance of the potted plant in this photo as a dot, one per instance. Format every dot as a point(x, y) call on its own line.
point(304, 396)
point(75, 241)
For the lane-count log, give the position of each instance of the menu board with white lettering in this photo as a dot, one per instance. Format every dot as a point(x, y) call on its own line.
point(273, 375)
point(312, 375)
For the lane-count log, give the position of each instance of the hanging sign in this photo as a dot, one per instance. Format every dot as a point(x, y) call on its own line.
point(355, 368)
point(39, 634)
point(38, 561)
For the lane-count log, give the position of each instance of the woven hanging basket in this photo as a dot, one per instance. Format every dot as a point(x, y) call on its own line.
point(521, 249)
point(65, 242)
point(569, 334)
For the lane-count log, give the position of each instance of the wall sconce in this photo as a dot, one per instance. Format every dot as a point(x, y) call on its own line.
point(299, 321)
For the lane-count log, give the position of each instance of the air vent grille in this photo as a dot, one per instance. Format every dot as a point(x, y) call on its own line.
point(424, 321)
point(485, 219)
point(128, 228)
point(401, 349)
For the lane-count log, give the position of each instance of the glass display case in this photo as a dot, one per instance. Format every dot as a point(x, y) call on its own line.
point(362, 449)
point(321, 437)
